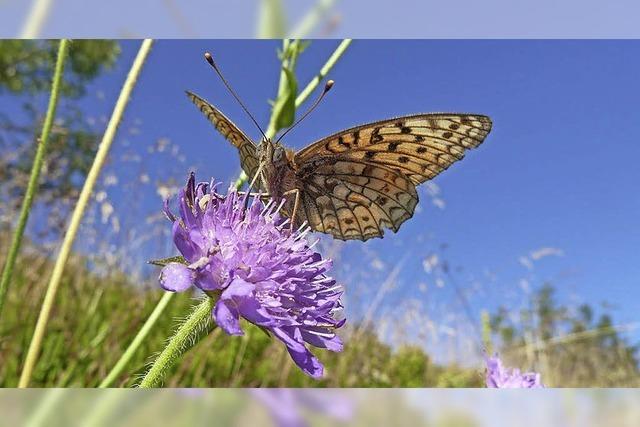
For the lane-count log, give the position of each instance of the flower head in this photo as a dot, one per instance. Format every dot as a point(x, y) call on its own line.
point(500, 377)
point(257, 269)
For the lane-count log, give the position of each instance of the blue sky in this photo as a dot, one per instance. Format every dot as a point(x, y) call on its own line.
point(559, 170)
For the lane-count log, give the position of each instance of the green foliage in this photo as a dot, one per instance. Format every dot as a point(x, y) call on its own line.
point(412, 365)
point(164, 261)
point(283, 112)
point(26, 66)
point(284, 109)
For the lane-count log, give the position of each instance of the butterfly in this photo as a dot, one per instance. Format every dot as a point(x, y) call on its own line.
point(358, 182)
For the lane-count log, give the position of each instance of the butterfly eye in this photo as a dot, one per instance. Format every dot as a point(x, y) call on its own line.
point(278, 154)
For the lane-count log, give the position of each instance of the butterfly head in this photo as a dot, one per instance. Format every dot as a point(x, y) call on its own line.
point(273, 153)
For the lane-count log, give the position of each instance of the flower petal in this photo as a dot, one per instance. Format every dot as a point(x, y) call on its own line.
point(183, 242)
point(227, 317)
point(306, 361)
point(167, 211)
point(322, 339)
point(254, 312)
point(299, 353)
point(500, 377)
point(238, 288)
point(176, 277)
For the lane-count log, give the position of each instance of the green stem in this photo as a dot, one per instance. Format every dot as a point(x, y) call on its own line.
point(331, 62)
point(282, 87)
point(137, 341)
point(184, 338)
point(35, 172)
point(78, 212)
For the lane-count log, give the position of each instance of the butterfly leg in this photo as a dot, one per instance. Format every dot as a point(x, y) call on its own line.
point(296, 202)
point(261, 195)
point(253, 181)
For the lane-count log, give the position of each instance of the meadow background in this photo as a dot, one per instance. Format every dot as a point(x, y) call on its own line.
point(526, 247)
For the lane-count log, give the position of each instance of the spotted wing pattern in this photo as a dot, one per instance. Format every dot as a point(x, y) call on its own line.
point(248, 150)
point(358, 182)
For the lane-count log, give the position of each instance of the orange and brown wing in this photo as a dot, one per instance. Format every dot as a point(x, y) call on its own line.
point(247, 149)
point(356, 200)
point(360, 181)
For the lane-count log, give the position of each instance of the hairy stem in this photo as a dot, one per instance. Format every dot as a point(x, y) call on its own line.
point(35, 172)
point(78, 212)
point(184, 338)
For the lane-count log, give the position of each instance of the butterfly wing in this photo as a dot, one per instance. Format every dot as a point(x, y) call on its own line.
point(248, 151)
point(358, 182)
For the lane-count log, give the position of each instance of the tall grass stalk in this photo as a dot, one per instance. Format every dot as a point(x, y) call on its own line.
point(542, 345)
point(35, 172)
point(78, 212)
point(137, 341)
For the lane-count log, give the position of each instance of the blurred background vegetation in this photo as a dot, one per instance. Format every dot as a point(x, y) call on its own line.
point(95, 317)
point(96, 314)
point(26, 68)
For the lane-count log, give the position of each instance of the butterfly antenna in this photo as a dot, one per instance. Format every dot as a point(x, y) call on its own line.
point(327, 88)
point(211, 62)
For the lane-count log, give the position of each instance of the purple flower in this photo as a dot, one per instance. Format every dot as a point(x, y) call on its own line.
point(257, 269)
point(500, 377)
